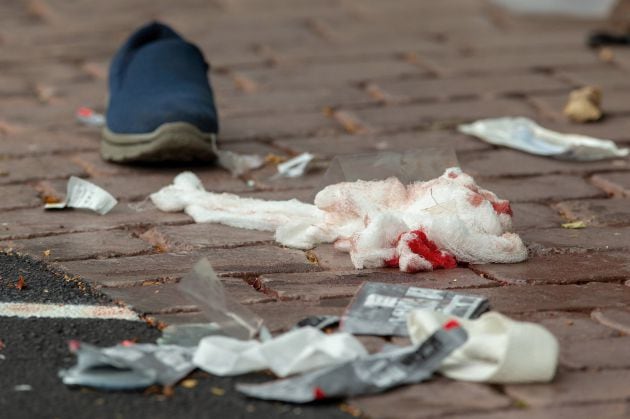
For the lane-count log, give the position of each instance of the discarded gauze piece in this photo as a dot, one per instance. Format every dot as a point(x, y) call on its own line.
point(498, 350)
point(417, 227)
point(296, 351)
point(526, 135)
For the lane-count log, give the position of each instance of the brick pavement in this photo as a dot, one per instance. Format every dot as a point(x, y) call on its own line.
point(337, 76)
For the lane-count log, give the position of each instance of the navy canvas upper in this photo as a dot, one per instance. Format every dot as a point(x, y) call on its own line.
point(157, 77)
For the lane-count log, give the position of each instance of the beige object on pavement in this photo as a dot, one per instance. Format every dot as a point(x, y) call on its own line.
point(584, 104)
point(498, 349)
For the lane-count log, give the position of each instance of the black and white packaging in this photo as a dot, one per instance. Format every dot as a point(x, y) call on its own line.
point(381, 309)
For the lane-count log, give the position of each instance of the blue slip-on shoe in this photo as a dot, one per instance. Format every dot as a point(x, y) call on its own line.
point(161, 105)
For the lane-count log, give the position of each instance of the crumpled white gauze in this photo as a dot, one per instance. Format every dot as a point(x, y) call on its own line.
point(296, 351)
point(417, 227)
point(498, 349)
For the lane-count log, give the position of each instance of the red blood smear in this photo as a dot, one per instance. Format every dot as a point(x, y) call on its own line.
point(318, 393)
point(424, 247)
point(475, 200)
point(451, 324)
point(393, 262)
point(502, 208)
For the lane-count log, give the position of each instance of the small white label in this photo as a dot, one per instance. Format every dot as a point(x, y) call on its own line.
point(378, 300)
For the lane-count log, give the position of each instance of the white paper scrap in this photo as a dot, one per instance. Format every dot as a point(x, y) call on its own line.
point(85, 195)
point(296, 351)
point(295, 167)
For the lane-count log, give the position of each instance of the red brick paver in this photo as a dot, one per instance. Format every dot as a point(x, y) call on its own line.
point(337, 77)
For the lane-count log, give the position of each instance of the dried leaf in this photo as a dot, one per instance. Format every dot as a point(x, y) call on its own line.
point(46, 253)
point(51, 199)
point(275, 159)
point(351, 410)
point(21, 283)
point(189, 383)
point(574, 225)
point(217, 391)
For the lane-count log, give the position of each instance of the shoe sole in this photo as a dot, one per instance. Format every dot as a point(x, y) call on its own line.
point(175, 141)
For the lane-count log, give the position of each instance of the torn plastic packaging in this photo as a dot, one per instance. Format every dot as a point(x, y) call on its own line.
point(371, 374)
point(128, 367)
point(526, 135)
point(296, 351)
point(82, 194)
point(381, 309)
point(205, 289)
point(89, 117)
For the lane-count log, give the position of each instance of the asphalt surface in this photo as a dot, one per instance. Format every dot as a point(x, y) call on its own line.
point(32, 350)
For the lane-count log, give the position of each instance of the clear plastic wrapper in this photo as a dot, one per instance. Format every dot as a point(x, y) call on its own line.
point(408, 166)
point(82, 194)
point(371, 374)
point(381, 309)
point(188, 334)
point(525, 135)
point(203, 286)
point(236, 164)
point(127, 367)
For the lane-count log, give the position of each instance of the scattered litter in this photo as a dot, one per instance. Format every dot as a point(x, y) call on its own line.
point(188, 334)
point(204, 287)
point(417, 227)
point(2, 357)
point(296, 351)
point(498, 350)
point(366, 375)
point(237, 164)
point(127, 367)
point(23, 387)
point(318, 322)
point(85, 195)
point(525, 135)
point(295, 167)
point(381, 309)
point(584, 104)
point(89, 117)
point(605, 38)
point(46, 253)
point(574, 224)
